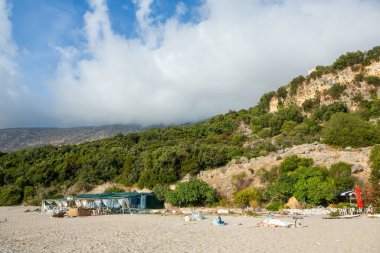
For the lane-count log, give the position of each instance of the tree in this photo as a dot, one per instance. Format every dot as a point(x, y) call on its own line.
point(192, 193)
point(345, 130)
point(336, 90)
point(341, 173)
point(160, 191)
point(282, 92)
point(349, 59)
point(374, 80)
point(313, 185)
point(295, 83)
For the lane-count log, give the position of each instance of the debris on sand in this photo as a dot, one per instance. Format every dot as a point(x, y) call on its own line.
point(58, 215)
point(274, 223)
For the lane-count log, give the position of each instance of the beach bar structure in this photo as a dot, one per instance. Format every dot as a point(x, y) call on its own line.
point(121, 202)
point(56, 205)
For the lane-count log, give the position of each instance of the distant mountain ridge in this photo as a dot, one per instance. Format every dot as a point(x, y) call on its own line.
point(13, 139)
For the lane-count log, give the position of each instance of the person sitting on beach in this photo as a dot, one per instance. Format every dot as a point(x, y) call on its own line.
point(219, 220)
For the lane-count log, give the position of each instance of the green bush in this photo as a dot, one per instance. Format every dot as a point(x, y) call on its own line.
point(291, 113)
point(113, 189)
point(247, 197)
point(282, 93)
point(10, 195)
point(349, 59)
point(291, 163)
point(341, 173)
point(374, 80)
point(313, 185)
point(336, 90)
point(375, 167)
point(192, 193)
point(311, 104)
point(308, 184)
point(264, 103)
point(275, 206)
point(345, 130)
point(295, 83)
point(268, 176)
point(280, 190)
point(325, 112)
point(307, 105)
point(160, 191)
point(359, 77)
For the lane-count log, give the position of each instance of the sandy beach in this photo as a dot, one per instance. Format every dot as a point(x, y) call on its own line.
point(36, 232)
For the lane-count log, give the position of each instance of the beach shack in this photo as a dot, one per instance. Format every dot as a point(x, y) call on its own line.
point(56, 205)
point(105, 203)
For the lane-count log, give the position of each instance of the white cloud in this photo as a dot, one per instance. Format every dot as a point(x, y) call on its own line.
point(10, 90)
point(179, 72)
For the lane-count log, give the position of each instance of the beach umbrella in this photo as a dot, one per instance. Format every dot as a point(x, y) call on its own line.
point(347, 193)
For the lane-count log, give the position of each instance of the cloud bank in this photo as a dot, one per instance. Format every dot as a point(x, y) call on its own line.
point(12, 92)
point(175, 72)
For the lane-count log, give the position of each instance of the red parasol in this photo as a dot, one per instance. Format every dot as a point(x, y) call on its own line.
point(359, 200)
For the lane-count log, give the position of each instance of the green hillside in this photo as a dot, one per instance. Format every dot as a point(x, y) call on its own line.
point(163, 156)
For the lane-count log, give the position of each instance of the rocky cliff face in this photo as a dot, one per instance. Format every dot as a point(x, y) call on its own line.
point(319, 87)
point(222, 179)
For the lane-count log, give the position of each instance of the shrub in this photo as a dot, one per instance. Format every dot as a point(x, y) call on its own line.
point(264, 102)
point(263, 148)
point(359, 77)
point(374, 80)
point(282, 93)
point(375, 167)
point(349, 59)
point(326, 111)
point(192, 193)
point(280, 190)
point(345, 130)
point(247, 197)
point(10, 195)
point(313, 185)
point(267, 176)
point(307, 105)
point(291, 163)
point(240, 181)
point(275, 206)
point(160, 191)
point(336, 90)
point(113, 189)
point(291, 113)
point(295, 83)
point(341, 173)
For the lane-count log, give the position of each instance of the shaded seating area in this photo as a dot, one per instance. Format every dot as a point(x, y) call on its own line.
point(56, 205)
point(101, 204)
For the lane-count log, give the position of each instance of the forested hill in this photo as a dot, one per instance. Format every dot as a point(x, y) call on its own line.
point(13, 139)
point(163, 156)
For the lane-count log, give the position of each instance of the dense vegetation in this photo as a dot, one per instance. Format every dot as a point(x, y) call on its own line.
point(192, 193)
point(310, 185)
point(158, 157)
point(374, 180)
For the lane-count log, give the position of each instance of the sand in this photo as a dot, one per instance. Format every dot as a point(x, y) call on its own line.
point(36, 232)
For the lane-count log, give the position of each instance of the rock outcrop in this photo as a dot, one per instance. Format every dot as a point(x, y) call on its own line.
point(222, 179)
point(310, 89)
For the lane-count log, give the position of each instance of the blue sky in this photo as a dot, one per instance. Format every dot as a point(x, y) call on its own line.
point(94, 62)
point(41, 25)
